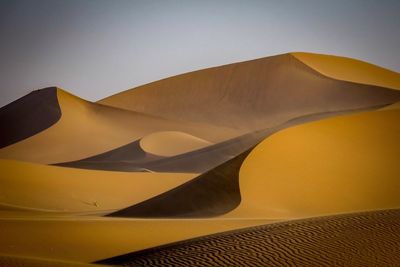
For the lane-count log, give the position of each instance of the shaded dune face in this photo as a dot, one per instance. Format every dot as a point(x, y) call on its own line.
point(212, 193)
point(250, 95)
point(87, 129)
point(358, 239)
point(132, 158)
point(28, 115)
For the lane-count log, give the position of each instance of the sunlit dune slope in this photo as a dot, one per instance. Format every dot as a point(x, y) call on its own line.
point(342, 164)
point(15, 261)
point(87, 239)
point(86, 129)
point(33, 186)
point(352, 70)
point(171, 143)
point(250, 95)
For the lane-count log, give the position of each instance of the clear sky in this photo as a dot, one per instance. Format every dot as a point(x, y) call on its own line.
point(95, 48)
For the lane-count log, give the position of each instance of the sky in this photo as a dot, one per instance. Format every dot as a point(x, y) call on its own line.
point(96, 48)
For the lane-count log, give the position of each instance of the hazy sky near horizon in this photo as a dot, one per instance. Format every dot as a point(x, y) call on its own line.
point(95, 48)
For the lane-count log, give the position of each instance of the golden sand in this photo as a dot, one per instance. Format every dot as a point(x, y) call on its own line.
point(171, 143)
point(352, 70)
point(342, 164)
point(86, 129)
point(16, 261)
point(91, 239)
point(34, 186)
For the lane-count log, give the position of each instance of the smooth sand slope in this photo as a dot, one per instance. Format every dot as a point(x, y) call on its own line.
point(86, 129)
point(28, 115)
point(88, 239)
point(342, 164)
point(171, 143)
point(250, 95)
point(33, 186)
point(360, 239)
point(352, 70)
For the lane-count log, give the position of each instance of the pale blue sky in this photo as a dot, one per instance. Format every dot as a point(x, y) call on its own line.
point(96, 48)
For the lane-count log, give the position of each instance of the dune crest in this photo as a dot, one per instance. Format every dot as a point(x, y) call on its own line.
point(86, 129)
point(349, 69)
point(171, 143)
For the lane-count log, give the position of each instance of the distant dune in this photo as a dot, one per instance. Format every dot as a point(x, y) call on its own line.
point(251, 95)
point(86, 129)
point(352, 70)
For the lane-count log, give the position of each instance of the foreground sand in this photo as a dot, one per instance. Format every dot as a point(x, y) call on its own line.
point(16, 261)
point(41, 187)
point(364, 239)
point(87, 239)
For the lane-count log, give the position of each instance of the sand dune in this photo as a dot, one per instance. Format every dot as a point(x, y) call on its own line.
point(86, 129)
point(88, 239)
point(171, 143)
point(132, 157)
point(349, 69)
point(214, 192)
point(342, 164)
point(33, 186)
point(364, 239)
point(250, 95)
point(28, 115)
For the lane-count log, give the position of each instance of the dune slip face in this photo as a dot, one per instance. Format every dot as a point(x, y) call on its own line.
point(359, 239)
point(28, 116)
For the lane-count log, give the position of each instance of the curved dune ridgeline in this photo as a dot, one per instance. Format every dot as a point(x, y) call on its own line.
point(132, 158)
point(357, 239)
point(86, 129)
point(212, 193)
point(28, 116)
point(49, 188)
point(341, 164)
point(250, 95)
point(349, 69)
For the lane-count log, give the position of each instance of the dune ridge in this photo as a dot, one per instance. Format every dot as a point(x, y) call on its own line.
point(86, 129)
point(250, 95)
point(349, 69)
